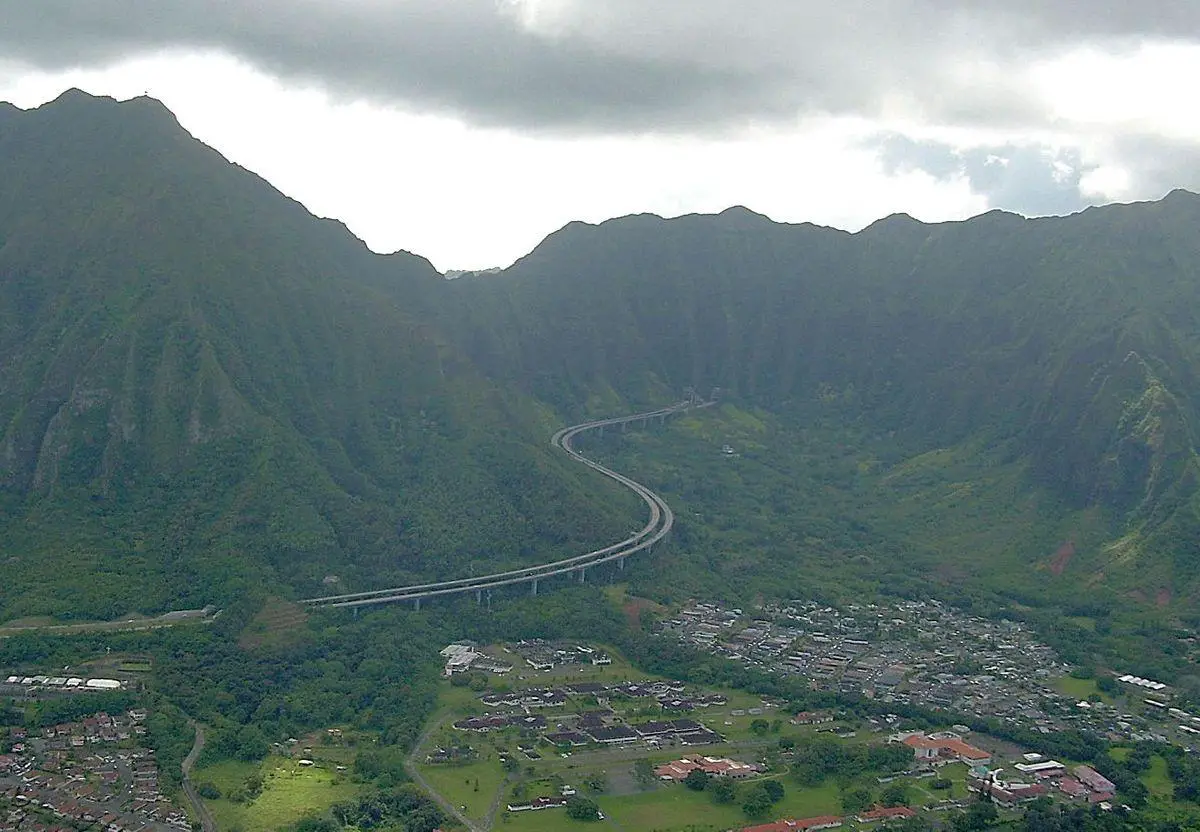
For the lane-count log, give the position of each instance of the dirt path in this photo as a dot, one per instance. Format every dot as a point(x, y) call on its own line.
point(410, 765)
point(490, 819)
point(206, 819)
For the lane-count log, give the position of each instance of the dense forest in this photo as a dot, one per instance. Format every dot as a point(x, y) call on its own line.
point(204, 389)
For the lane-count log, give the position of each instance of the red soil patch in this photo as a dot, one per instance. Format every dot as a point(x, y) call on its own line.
point(1162, 597)
point(1058, 563)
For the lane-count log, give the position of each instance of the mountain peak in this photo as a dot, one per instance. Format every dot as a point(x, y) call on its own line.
point(896, 219)
point(739, 216)
point(741, 211)
point(77, 97)
point(1181, 195)
point(79, 103)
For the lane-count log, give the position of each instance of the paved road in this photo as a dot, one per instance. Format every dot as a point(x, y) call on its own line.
point(169, 619)
point(206, 819)
point(659, 525)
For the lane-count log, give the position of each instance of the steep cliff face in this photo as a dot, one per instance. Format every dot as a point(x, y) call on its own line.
point(1071, 340)
point(203, 387)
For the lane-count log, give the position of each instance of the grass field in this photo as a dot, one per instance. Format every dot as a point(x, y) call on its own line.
point(289, 793)
point(1156, 778)
point(1077, 688)
point(674, 807)
point(473, 785)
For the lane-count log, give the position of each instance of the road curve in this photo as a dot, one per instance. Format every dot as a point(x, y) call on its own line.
point(657, 527)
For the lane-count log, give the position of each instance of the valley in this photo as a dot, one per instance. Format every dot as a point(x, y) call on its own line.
point(905, 520)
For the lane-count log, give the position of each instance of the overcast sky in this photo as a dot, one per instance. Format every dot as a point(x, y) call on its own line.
point(467, 130)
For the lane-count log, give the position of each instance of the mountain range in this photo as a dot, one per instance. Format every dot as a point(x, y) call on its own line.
point(204, 388)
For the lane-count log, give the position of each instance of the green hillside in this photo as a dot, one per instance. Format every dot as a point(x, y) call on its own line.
point(203, 390)
point(1046, 362)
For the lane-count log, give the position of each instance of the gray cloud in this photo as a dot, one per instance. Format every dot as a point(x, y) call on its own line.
point(1158, 164)
point(1030, 179)
point(616, 65)
point(1038, 180)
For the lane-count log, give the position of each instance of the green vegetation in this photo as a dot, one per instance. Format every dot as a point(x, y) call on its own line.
point(286, 792)
point(1077, 688)
point(473, 785)
point(205, 391)
point(207, 396)
point(582, 808)
point(797, 513)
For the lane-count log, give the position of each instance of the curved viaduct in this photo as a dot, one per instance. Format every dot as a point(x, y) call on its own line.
point(657, 527)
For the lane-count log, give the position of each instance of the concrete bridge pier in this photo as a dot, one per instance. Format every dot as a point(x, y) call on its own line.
point(533, 587)
point(582, 576)
point(479, 596)
point(620, 564)
point(417, 604)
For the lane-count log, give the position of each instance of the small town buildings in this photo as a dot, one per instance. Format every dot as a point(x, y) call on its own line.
point(537, 804)
point(812, 718)
point(1047, 769)
point(1094, 780)
point(878, 813)
point(677, 770)
point(803, 825)
point(1072, 787)
point(1003, 793)
point(613, 734)
point(944, 748)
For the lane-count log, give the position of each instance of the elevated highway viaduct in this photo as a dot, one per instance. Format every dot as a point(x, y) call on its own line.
point(657, 527)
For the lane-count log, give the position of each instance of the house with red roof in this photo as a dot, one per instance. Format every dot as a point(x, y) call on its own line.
point(945, 749)
point(876, 813)
point(1094, 780)
point(713, 766)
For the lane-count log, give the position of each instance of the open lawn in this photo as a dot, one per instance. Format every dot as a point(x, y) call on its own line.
point(226, 776)
point(290, 791)
point(473, 785)
point(674, 807)
point(1078, 688)
point(1157, 780)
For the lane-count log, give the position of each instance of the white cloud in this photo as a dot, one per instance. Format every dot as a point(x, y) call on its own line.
point(472, 196)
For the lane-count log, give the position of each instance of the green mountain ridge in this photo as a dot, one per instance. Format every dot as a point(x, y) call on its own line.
point(1071, 343)
point(201, 391)
point(206, 390)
